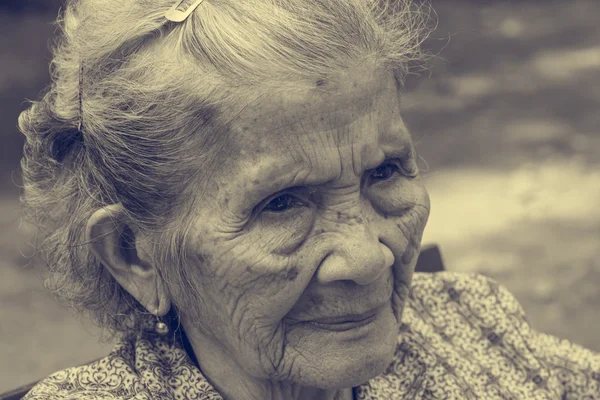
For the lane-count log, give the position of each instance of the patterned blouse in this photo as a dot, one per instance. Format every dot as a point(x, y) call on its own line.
point(462, 336)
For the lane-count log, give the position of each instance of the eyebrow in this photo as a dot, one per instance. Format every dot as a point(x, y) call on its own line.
point(269, 169)
point(280, 180)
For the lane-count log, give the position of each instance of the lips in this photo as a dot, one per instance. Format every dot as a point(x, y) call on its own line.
point(344, 322)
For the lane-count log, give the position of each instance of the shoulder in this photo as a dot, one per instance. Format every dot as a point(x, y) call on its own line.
point(466, 289)
point(473, 304)
point(468, 308)
point(111, 377)
point(82, 383)
point(140, 367)
point(471, 326)
point(472, 282)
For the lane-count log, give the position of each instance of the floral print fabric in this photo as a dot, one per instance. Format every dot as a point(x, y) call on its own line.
point(462, 336)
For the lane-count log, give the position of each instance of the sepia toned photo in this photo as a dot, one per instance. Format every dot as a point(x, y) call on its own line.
point(300, 199)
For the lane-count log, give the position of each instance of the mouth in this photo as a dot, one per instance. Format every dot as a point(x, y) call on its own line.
point(344, 322)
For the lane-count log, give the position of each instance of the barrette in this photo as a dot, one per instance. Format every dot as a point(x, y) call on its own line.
point(179, 13)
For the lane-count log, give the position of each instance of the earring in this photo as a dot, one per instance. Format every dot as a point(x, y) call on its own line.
point(160, 327)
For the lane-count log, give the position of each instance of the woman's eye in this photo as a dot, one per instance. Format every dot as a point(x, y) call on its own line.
point(384, 171)
point(281, 203)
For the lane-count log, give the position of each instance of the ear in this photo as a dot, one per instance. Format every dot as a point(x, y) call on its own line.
point(119, 248)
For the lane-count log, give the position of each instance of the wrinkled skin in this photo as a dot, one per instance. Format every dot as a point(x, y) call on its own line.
point(316, 210)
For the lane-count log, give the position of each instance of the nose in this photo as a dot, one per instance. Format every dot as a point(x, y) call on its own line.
point(358, 256)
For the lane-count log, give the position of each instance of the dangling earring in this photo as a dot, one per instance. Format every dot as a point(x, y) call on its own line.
point(160, 327)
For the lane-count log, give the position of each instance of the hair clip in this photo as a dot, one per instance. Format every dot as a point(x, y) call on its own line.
point(178, 13)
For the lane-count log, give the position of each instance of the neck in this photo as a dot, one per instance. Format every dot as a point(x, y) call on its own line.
point(233, 383)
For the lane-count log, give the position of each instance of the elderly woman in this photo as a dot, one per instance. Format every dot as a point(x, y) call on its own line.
point(229, 187)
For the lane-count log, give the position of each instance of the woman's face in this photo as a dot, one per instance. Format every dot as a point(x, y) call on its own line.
point(307, 236)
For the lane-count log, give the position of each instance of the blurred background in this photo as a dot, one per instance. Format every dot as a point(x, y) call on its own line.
point(507, 123)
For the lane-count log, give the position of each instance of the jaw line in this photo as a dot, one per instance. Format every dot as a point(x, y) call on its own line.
point(399, 297)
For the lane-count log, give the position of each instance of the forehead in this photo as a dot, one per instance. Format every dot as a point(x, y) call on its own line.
point(354, 123)
point(358, 97)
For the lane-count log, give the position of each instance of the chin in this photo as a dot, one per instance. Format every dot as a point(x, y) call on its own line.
point(361, 371)
point(354, 371)
point(351, 358)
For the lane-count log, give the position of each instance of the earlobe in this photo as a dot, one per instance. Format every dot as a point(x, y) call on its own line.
point(113, 242)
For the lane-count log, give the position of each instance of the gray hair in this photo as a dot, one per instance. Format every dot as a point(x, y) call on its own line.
point(156, 99)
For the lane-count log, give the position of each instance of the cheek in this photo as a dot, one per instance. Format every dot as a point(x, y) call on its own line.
point(407, 206)
point(254, 272)
point(283, 233)
point(414, 219)
point(396, 199)
point(250, 285)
